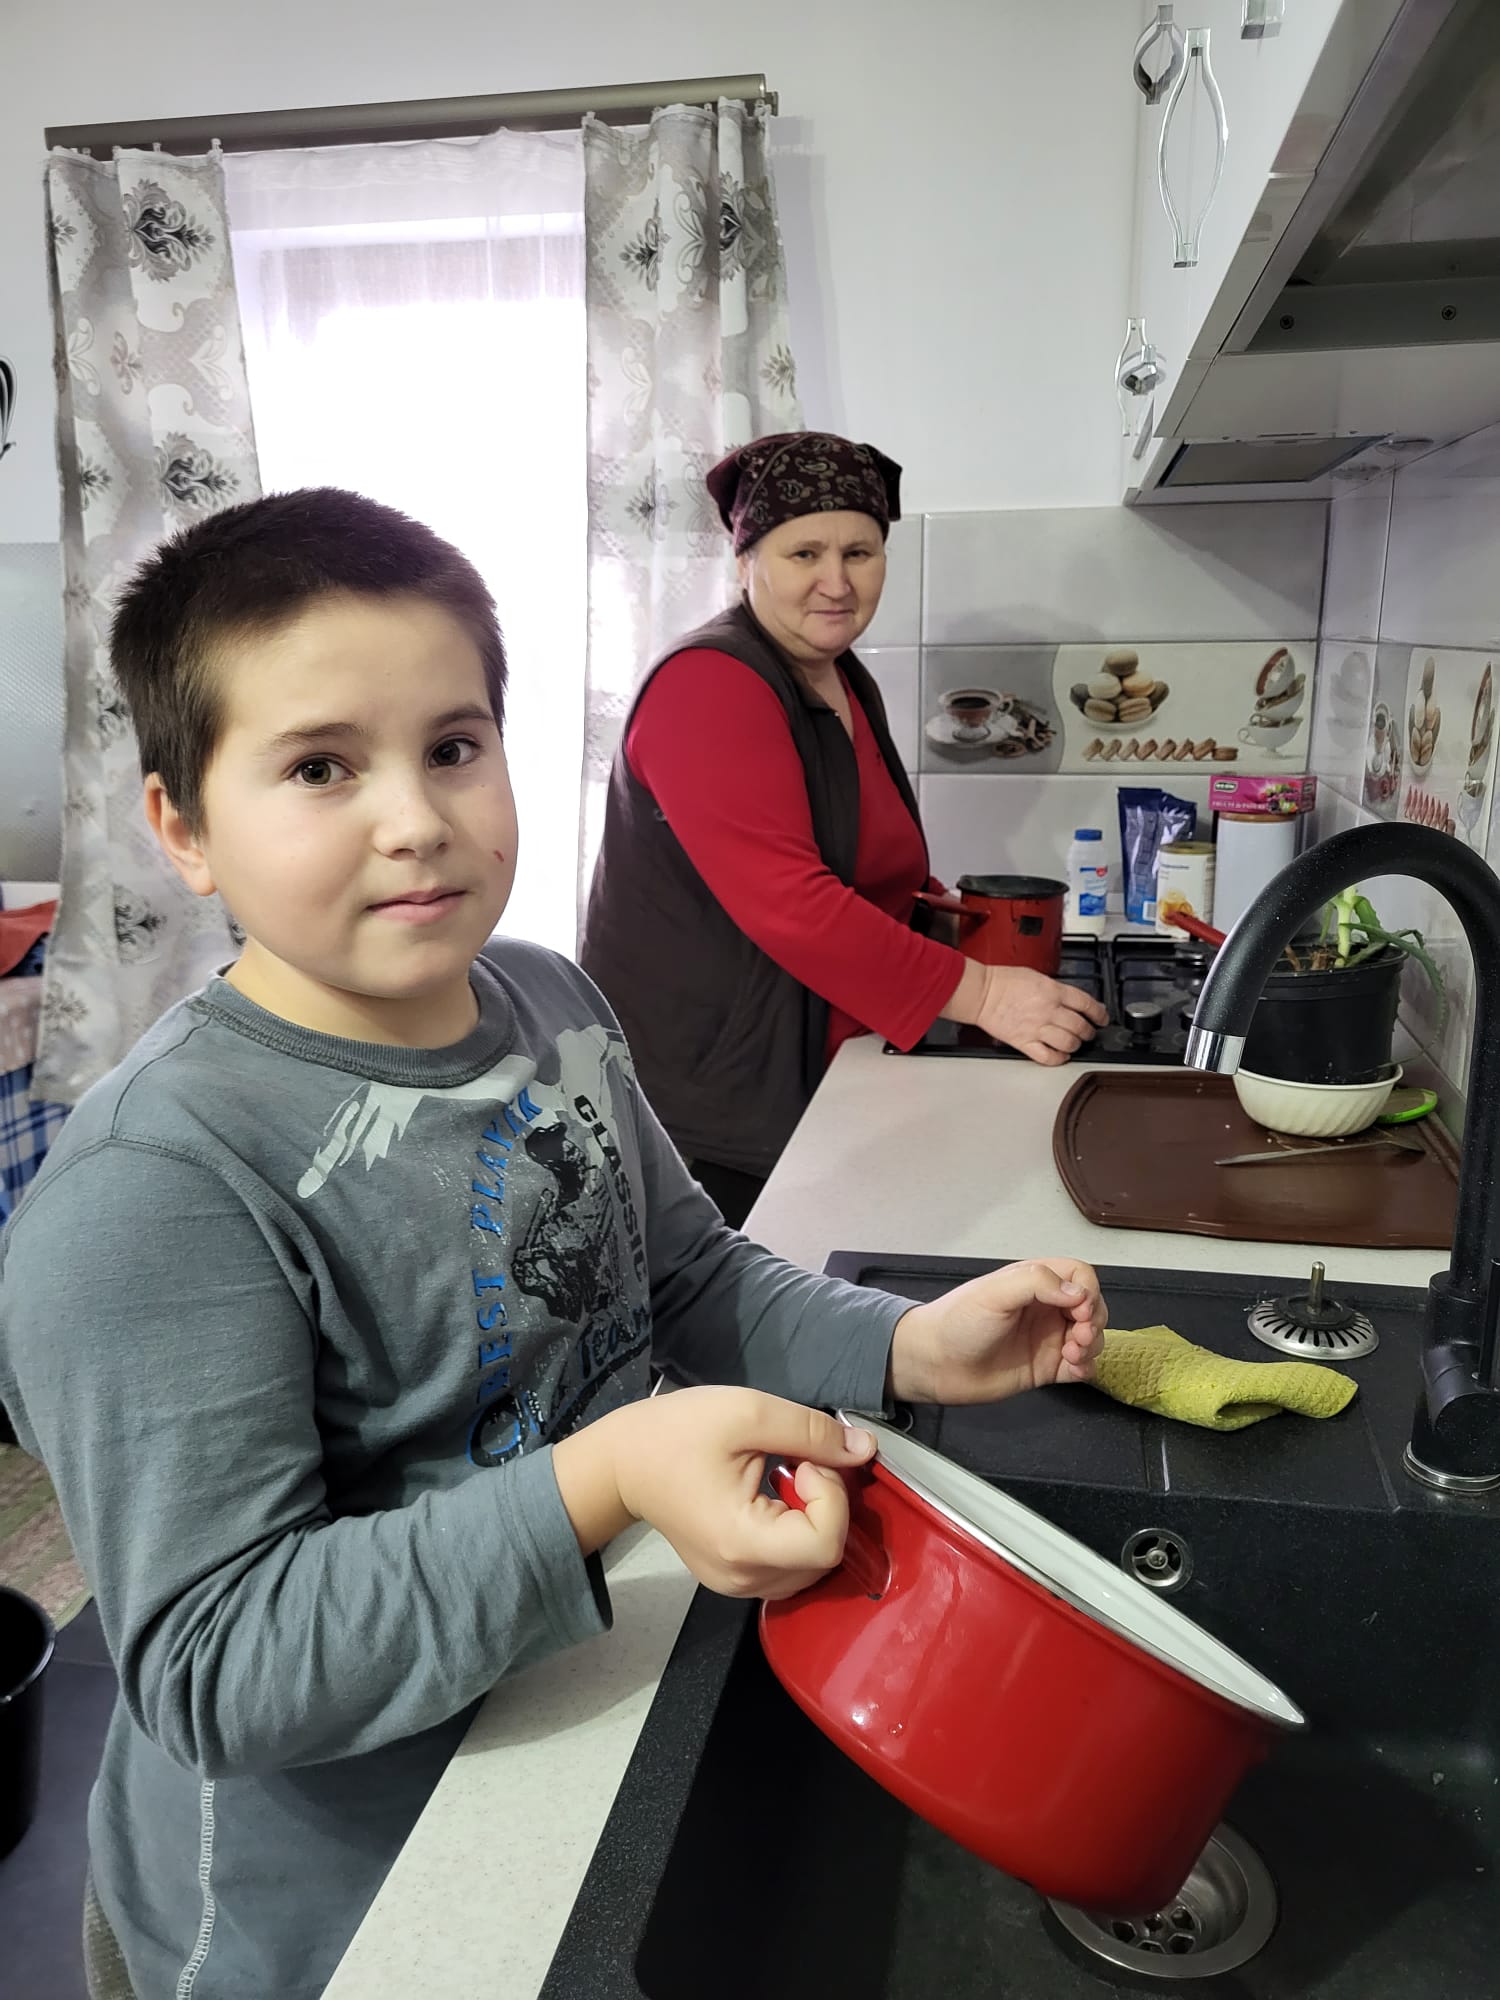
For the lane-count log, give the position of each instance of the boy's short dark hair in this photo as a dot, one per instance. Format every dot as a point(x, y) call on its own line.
point(250, 569)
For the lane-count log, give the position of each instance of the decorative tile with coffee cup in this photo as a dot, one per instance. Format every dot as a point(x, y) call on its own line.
point(1088, 706)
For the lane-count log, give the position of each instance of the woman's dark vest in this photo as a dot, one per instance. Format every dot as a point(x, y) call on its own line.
point(728, 1047)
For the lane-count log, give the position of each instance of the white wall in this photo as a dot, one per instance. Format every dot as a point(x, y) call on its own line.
point(955, 183)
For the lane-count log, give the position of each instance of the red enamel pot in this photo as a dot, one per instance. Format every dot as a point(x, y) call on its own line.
point(1035, 1703)
point(1007, 919)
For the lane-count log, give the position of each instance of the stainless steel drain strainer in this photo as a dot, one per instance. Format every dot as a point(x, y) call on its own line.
point(1224, 1915)
point(1313, 1324)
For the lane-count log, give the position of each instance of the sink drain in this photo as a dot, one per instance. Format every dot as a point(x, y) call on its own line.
point(1222, 1917)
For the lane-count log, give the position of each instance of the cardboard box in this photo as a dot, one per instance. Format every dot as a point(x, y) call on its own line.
point(1271, 798)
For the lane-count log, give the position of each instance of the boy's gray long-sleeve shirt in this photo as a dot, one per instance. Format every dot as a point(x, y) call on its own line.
point(292, 1321)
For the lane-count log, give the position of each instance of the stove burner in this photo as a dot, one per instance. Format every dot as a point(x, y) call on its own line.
point(1149, 986)
point(1313, 1322)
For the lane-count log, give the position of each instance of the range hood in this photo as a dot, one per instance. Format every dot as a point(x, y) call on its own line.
point(1359, 321)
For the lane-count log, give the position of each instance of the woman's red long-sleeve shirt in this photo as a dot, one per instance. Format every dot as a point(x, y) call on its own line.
point(710, 742)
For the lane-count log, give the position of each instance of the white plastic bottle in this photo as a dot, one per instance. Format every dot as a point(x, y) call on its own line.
point(1088, 883)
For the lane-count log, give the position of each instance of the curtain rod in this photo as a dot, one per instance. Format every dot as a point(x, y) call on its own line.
point(420, 118)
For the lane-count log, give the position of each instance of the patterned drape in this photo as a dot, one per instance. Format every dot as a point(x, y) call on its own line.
point(689, 355)
point(154, 432)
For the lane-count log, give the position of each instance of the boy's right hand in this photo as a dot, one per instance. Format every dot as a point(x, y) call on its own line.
point(692, 1463)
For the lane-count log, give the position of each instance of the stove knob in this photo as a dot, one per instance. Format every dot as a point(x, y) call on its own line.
point(1144, 1018)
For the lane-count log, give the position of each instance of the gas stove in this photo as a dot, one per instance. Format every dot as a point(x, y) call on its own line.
point(1149, 985)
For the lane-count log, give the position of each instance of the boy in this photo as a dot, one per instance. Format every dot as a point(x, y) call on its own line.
point(332, 1310)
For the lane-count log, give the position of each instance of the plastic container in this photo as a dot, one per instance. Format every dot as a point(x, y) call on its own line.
point(1088, 883)
point(1313, 1110)
point(27, 1638)
point(1251, 851)
point(1326, 1027)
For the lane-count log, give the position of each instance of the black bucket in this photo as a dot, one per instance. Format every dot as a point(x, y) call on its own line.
point(1327, 1027)
point(27, 1638)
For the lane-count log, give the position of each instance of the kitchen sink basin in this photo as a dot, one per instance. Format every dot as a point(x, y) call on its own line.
point(746, 1857)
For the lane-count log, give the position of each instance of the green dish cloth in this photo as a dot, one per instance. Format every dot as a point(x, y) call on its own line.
point(1156, 1369)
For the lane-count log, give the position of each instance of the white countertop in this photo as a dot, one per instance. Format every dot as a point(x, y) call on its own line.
point(904, 1155)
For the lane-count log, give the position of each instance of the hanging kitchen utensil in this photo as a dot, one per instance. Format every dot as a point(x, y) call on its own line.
point(1195, 95)
point(1139, 372)
point(1158, 57)
point(7, 404)
point(1262, 20)
point(1041, 1707)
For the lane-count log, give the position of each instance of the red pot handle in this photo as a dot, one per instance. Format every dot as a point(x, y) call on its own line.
point(1195, 927)
point(864, 1558)
point(951, 905)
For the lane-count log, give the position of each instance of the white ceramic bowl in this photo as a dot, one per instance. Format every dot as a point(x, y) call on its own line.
point(1313, 1110)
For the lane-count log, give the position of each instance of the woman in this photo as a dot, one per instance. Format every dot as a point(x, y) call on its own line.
point(751, 907)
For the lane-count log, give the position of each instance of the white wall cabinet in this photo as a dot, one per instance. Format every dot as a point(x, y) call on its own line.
point(1283, 98)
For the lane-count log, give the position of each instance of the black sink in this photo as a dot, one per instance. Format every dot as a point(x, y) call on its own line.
point(745, 1857)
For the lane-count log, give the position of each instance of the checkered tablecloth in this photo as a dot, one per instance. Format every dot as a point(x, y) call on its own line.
point(27, 1125)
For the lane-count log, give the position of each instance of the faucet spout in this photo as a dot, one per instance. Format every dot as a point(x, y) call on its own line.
point(1456, 1437)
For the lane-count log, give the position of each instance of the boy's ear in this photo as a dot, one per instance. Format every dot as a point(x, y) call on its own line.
point(180, 845)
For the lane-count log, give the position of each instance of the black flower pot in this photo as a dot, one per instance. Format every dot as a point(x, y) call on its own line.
point(27, 1638)
point(1327, 1027)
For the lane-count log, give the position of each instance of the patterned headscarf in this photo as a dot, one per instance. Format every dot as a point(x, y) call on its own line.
point(778, 479)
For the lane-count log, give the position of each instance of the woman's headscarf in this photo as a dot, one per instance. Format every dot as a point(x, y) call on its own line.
point(781, 478)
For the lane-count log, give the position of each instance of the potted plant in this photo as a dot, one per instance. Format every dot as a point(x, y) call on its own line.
point(1329, 1015)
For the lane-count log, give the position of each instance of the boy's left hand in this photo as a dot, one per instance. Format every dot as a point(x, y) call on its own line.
point(1019, 1328)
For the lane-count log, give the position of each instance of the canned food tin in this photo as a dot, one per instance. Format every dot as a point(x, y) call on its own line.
point(1184, 883)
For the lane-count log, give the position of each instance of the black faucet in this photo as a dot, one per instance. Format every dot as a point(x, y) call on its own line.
point(1455, 1439)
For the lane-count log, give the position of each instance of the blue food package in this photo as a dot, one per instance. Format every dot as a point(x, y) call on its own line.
point(1149, 821)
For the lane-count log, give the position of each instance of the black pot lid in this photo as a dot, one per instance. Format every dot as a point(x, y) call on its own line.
point(1013, 888)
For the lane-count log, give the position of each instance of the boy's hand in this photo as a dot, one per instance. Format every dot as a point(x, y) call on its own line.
point(1019, 1328)
point(692, 1464)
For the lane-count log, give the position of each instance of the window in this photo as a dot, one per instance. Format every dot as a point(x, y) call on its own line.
point(414, 329)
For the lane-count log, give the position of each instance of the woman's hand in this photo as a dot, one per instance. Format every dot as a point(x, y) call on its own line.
point(1041, 1017)
point(1022, 1327)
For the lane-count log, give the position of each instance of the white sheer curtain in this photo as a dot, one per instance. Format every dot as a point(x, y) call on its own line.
point(414, 328)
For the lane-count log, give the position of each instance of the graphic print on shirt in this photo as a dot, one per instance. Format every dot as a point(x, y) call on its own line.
point(554, 1283)
point(576, 1256)
point(371, 1120)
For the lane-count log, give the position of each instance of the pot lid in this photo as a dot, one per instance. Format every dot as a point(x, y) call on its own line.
point(1030, 888)
point(1066, 1568)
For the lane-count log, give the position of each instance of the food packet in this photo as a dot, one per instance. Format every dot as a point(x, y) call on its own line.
point(1149, 821)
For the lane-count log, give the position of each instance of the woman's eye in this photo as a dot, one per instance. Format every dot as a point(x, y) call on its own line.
point(455, 751)
point(317, 772)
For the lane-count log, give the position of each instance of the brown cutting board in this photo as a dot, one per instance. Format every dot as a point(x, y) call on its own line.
point(1136, 1150)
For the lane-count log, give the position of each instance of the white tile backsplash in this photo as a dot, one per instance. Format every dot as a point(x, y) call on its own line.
point(897, 673)
point(898, 622)
point(1358, 523)
point(1442, 580)
point(1341, 715)
point(1233, 570)
point(1024, 826)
